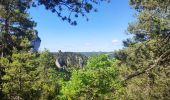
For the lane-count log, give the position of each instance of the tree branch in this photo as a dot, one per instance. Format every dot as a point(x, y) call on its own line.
point(157, 61)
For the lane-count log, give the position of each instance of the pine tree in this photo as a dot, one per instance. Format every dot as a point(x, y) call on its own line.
point(16, 29)
point(146, 57)
point(47, 82)
point(20, 75)
point(16, 25)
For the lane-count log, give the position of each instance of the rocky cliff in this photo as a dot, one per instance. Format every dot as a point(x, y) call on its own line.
point(70, 59)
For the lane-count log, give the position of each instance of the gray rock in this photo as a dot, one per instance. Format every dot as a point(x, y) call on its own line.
point(69, 59)
point(35, 43)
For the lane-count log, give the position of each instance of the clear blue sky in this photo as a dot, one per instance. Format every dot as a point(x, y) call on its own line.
point(104, 31)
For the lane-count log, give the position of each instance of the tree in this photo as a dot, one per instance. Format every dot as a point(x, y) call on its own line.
point(16, 29)
point(74, 8)
point(146, 57)
point(47, 82)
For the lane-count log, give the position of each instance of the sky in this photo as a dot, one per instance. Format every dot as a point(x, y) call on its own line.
point(104, 31)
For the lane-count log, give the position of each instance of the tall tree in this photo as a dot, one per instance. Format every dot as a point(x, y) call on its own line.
point(148, 52)
point(47, 82)
point(16, 29)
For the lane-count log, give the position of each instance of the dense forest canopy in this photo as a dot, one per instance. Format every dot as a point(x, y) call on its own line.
point(139, 71)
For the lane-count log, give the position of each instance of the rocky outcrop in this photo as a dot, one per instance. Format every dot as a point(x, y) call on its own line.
point(70, 59)
point(35, 43)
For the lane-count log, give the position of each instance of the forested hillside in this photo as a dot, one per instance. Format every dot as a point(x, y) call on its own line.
point(138, 71)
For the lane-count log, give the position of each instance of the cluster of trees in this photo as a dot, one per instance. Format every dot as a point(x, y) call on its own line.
point(34, 76)
point(98, 80)
point(26, 76)
point(141, 70)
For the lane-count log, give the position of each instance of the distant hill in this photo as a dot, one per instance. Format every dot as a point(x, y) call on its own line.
point(88, 54)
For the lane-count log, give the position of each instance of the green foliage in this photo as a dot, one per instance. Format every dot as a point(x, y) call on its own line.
point(47, 79)
point(74, 8)
point(17, 28)
point(98, 80)
point(145, 60)
point(20, 75)
point(144, 63)
point(24, 74)
point(30, 75)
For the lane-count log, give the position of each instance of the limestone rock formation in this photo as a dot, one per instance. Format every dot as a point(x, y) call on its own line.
point(69, 59)
point(36, 42)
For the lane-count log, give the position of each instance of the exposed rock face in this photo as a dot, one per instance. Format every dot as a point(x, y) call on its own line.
point(60, 63)
point(69, 59)
point(36, 42)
